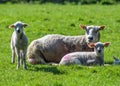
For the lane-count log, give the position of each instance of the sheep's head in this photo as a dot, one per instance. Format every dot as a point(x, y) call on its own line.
point(18, 26)
point(92, 33)
point(99, 46)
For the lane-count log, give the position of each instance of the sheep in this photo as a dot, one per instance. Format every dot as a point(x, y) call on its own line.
point(19, 43)
point(51, 48)
point(116, 60)
point(86, 58)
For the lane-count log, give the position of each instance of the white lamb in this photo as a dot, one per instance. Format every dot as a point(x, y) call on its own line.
point(86, 58)
point(19, 42)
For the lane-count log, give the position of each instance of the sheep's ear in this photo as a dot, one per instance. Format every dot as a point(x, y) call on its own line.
point(83, 26)
point(101, 27)
point(106, 44)
point(91, 45)
point(12, 26)
point(25, 25)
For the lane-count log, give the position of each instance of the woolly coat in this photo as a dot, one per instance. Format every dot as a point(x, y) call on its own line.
point(51, 48)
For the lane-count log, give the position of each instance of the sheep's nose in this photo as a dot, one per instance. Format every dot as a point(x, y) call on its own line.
point(18, 31)
point(99, 51)
point(90, 37)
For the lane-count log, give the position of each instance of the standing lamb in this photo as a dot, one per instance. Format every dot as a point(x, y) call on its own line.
point(19, 42)
point(86, 58)
point(51, 48)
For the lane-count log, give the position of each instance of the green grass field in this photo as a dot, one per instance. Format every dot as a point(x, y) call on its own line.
point(59, 19)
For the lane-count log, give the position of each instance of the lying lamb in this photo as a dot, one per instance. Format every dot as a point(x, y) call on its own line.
point(51, 48)
point(19, 42)
point(86, 58)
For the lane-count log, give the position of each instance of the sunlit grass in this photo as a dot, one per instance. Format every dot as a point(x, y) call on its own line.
point(59, 19)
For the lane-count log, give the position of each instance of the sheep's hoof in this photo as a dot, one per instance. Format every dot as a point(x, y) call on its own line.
point(18, 67)
point(13, 62)
point(25, 68)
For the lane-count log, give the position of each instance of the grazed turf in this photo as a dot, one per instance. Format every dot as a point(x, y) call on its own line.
point(59, 19)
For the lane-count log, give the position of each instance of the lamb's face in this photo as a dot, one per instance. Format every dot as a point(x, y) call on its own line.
point(99, 47)
point(18, 26)
point(92, 33)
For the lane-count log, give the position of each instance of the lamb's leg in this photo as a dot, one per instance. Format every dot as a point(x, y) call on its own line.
point(13, 55)
point(18, 55)
point(52, 63)
point(21, 58)
point(24, 59)
point(70, 61)
point(102, 63)
point(76, 61)
point(91, 62)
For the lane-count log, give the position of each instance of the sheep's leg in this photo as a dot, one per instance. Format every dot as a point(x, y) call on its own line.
point(91, 62)
point(24, 59)
point(18, 55)
point(13, 55)
point(39, 59)
point(21, 58)
point(52, 63)
point(102, 63)
point(75, 61)
point(70, 61)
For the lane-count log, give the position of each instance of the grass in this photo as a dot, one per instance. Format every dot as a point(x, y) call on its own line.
point(59, 19)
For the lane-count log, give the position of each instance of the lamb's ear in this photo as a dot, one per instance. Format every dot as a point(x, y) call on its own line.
point(25, 24)
point(12, 26)
point(83, 26)
point(91, 45)
point(101, 27)
point(106, 44)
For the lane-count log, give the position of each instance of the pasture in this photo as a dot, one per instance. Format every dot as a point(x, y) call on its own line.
point(59, 19)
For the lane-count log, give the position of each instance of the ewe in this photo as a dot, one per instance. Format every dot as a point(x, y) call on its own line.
point(51, 48)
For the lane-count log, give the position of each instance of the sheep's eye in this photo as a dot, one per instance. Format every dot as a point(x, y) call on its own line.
point(95, 31)
point(21, 26)
point(15, 27)
point(87, 31)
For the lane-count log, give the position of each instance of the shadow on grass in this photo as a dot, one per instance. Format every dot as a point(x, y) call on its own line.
point(109, 62)
point(60, 70)
point(51, 69)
